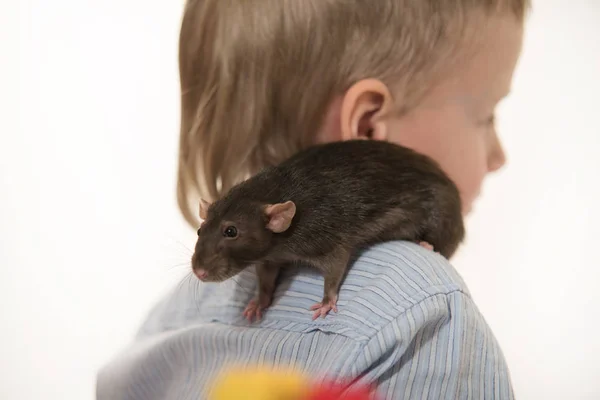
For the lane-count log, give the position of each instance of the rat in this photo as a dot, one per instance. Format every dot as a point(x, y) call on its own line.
point(319, 207)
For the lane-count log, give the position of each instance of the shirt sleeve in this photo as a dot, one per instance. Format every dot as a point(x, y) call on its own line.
point(440, 348)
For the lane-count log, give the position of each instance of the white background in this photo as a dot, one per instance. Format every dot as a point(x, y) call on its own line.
point(90, 233)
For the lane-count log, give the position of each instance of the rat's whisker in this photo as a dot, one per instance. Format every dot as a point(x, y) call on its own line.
point(191, 282)
point(190, 251)
point(196, 294)
point(239, 285)
point(186, 264)
point(182, 247)
point(185, 280)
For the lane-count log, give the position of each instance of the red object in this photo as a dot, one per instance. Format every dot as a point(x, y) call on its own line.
point(330, 391)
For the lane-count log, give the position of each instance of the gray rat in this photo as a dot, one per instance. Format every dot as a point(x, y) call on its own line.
point(321, 206)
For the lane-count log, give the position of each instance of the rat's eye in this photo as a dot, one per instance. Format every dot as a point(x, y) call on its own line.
point(198, 231)
point(230, 232)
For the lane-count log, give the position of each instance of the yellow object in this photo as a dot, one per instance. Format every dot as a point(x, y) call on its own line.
point(260, 384)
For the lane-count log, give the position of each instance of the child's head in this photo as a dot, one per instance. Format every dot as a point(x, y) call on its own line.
point(263, 79)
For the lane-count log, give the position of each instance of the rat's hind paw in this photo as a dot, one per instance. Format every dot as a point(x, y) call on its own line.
point(426, 245)
point(254, 309)
point(323, 308)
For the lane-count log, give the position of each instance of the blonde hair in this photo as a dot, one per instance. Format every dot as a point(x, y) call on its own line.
point(257, 76)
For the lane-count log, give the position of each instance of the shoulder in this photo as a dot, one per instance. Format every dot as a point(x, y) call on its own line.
point(404, 317)
point(406, 272)
point(430, 327)
point(384, 282)
point(391, 279)
point(437, 331)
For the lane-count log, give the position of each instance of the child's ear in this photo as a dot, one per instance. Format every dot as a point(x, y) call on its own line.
point(363, 107)
point(203, 210)
point(280, 216)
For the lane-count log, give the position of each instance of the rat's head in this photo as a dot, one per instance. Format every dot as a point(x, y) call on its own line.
point(233, 236)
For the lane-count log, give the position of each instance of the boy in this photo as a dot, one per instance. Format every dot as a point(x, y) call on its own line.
point(263, 79)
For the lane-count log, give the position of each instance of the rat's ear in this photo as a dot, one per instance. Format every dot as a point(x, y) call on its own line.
point(203, 211)
point(280, 215)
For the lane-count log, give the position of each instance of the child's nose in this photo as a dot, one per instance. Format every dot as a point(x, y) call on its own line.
point(496, 155)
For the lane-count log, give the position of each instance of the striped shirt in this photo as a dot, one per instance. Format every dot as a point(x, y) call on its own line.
point(405, 323)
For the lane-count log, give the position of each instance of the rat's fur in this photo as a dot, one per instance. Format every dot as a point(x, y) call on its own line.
point(347, 195)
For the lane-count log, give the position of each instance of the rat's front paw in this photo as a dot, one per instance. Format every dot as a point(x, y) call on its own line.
point(254, 309)
point(323, 308)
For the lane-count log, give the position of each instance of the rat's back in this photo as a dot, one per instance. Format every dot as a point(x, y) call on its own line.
point(362, 192)
point(361, 172)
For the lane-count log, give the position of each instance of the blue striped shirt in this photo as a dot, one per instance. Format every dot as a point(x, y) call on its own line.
point(405, 323)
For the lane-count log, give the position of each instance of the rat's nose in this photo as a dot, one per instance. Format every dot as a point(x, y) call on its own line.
point(200, 273)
